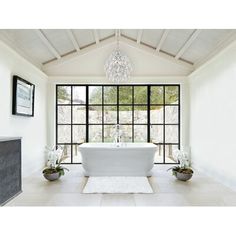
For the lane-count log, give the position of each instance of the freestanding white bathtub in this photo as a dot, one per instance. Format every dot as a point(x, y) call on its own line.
point(123, 159)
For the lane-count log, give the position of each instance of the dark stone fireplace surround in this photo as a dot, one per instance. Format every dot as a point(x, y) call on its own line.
point(10, 168)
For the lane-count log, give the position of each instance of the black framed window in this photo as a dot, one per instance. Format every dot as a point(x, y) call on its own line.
point(146, 113)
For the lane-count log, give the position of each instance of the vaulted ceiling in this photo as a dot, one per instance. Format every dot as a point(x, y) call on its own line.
point(186, 47)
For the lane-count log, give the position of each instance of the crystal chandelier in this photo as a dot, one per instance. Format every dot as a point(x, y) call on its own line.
point(118, 66)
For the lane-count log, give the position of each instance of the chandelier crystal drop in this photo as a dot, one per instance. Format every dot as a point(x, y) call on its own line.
point(118, 67)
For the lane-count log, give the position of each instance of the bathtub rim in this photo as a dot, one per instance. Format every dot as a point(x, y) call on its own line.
point(121, 146)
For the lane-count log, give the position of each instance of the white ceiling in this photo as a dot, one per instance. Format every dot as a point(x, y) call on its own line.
point(49, 47)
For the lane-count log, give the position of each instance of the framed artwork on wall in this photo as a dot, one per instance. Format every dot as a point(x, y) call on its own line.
point(23, 97)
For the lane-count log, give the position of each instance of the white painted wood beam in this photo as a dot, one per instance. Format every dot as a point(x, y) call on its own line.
point(73, 39)
point(140, 33)
point(188, 43)
point(95, 33)
point(47, 43)
point(113, 40)
point(162, 40)
point(75, 55)
point(152, 51)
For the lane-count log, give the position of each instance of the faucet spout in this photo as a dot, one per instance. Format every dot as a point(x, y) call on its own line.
point(117, 133)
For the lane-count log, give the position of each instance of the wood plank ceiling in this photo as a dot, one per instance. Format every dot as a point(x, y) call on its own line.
point(189, 47)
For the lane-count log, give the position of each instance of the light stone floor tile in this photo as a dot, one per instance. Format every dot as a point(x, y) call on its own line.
point(31, 199)
point(229, 200)
point(117, 200)
point(204, 199)
point(161, 199)
point(60, 186)
point(67, 191)
point(75, 199)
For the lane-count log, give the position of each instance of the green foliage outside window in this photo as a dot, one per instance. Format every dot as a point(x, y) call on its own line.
point(64, 94)
point(125, 95)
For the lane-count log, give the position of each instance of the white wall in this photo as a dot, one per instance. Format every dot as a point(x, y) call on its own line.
point(213, 117)
point(92, 63)
point(182, 80)
point(33, 130)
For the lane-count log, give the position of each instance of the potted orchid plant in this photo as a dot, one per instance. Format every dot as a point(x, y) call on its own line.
point(183, 171)
point(54, 170)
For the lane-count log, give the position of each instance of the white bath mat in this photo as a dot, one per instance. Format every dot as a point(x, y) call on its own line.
point(117, 184)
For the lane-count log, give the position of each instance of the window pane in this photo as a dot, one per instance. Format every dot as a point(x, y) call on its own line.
point(95, 114)
point(140, 114)
point(109, 131)
point(169, 150)
point(79, 133)
point(63, 94)
point(156, 95)
point(125, 114)
point(140, 133)
point(171, 133)
point(64, 114)
point(171, 114)
point(140, 94)
point(64, 134)
point(110, 94)
point(77, 158)
point(66, 152)
point(95, 94)
point(133, 116)
point(156, 114)
point(110, 114)
point(79, 94)
point(159, 155)
point(126, 133)
point(156, 133)
point(95, 133)
point(171, 95)
point(125, 95)
point(79, 115)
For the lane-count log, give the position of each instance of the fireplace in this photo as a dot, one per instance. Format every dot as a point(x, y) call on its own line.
point(10, 169)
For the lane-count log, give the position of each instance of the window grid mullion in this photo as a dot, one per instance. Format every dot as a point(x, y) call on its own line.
point(102, 113)
point(164, 128)
point(148, 112)
point(148, 124)
point(71, 130)
point(132, 113)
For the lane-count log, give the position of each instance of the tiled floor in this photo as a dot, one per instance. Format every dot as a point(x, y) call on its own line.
point(199, 191)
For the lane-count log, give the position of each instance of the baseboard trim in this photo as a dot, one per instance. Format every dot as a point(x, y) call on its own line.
point(212, 174)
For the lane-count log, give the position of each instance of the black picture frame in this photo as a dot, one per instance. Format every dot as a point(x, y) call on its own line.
point(23, 97)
